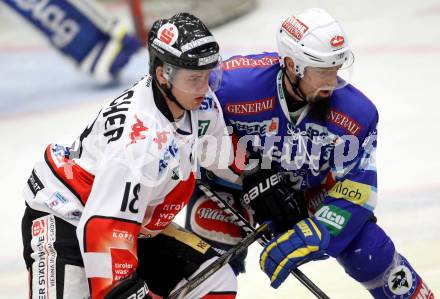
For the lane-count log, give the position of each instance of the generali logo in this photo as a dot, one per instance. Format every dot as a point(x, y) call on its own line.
point(241, 62)
point(337, 41)
point(295, 28)
point(254, 107)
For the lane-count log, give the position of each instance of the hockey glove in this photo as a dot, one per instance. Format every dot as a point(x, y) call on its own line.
point(269, 197)
point(130, 288)
point(305, 242)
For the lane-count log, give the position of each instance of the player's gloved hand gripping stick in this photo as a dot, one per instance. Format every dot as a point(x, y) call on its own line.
point(247, 227)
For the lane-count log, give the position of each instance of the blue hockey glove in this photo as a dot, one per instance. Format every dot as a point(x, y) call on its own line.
point(305, 242)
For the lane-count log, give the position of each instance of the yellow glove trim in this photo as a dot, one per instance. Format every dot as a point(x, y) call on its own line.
point(300, 252)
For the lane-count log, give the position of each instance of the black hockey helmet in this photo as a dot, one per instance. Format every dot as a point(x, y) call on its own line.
point(182, 41)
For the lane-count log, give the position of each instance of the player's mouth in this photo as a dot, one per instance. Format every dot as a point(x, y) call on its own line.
point(323, 93)
point(198, 100)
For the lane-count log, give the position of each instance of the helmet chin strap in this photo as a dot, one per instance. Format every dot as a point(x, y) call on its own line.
point(169, 94)
point(295, 85)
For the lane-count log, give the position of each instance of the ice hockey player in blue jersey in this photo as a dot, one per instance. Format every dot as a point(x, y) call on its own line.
point(309, 133)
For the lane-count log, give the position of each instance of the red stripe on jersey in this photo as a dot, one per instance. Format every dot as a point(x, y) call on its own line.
point(73, 176)
point(118, 237)
point(220, 295)
point(174, 201)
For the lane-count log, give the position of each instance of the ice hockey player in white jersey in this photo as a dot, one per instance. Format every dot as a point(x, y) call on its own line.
point(127, 175)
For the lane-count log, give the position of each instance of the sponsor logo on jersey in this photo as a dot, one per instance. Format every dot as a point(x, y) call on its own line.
point(170, 152)
point(245, 62)
point(136, 131)
point(52, 18)
point(249, 108)
point(266, 127)
point(164, 213)
point(401, 282)
point(208, 103)
point(34, 183)
point(211, 222)
point(168, 33)
point(203, 127)
point(44, 255)
point(295, 28)
point(59, 154)
point(344, 121)
point(57, 199)
point(337, 41)
point(175, 173)
point(161, 138)
point(122, 235)
point(355, 192)
point(123, 263)
point(423, 291)
point(334, 218)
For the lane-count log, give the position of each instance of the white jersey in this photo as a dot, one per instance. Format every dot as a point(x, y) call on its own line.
point(129, 173)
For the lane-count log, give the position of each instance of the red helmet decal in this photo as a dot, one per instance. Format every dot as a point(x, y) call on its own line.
point(337, 41)
point(168, 33)
point(295, 28)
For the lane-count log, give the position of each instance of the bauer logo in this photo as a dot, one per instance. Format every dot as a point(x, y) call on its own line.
point(333, 218)
point(295, 28)
point(168, 34)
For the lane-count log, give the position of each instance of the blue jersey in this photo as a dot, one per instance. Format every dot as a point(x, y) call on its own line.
point(331, 158)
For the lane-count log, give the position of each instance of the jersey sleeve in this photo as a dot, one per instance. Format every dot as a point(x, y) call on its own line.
point(111, 220)
point(351, 200)
point(215, 148)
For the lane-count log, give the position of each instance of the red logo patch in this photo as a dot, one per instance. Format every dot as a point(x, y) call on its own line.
point(137, 128)
point(38, 227)
point(123, 263)
point(254, 107)
point(337, 41)
point(295, 28)
point(161, 138)
point(212, 219)
point(167, 34)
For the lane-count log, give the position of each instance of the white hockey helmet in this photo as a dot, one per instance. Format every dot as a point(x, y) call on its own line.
point(313, 38)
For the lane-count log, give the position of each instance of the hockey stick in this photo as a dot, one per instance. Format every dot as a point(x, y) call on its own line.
point(220, 262)
point(247, 227)
point(139, 21)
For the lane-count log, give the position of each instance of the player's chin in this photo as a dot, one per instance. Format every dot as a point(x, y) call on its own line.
point(197, 102)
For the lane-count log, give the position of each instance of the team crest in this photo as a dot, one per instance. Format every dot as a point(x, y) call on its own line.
point(401, 282)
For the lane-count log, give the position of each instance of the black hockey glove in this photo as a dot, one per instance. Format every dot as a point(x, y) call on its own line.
point(130, 288)
point(268, 195)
